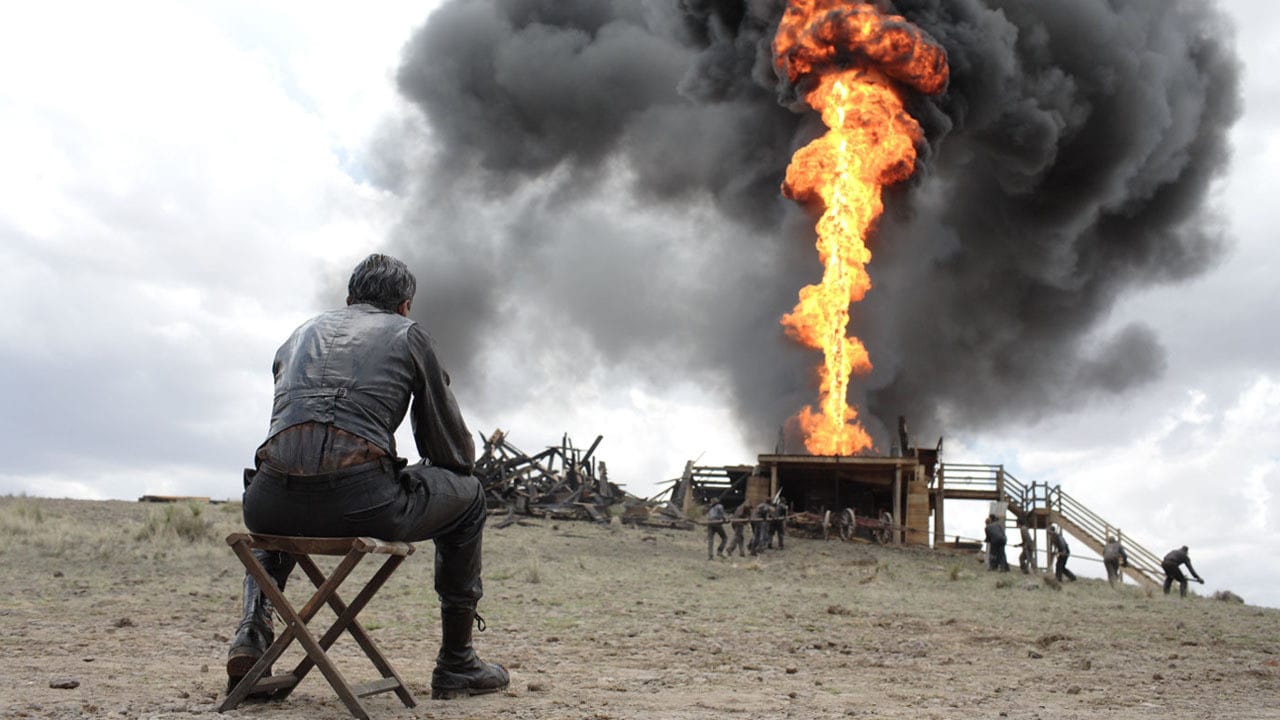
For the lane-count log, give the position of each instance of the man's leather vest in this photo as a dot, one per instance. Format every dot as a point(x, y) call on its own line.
point(350, 367)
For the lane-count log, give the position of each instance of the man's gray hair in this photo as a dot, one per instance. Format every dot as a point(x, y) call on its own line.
point(381, 281)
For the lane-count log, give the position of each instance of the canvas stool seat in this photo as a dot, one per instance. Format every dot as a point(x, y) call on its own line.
point(352, 550)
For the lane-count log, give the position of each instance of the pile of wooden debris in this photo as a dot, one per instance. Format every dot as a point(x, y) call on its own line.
point(562, 482)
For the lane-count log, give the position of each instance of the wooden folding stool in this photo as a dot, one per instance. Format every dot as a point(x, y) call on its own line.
point(278, 687)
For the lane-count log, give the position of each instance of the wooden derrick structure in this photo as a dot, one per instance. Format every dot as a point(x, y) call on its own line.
point(888, 496)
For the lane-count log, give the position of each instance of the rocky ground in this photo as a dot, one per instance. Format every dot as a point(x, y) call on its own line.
point(119, 609)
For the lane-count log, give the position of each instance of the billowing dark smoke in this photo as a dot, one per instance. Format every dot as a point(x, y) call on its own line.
point(601, 193)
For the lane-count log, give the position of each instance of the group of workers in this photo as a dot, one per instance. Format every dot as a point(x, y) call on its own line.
point(1114, 555)
point(767, 520)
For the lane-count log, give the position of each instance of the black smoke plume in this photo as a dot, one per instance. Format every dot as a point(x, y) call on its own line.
point(596, 191)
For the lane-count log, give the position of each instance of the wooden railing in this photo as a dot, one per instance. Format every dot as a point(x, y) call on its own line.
point(1093, 530)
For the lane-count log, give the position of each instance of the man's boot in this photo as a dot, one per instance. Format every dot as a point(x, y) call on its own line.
point(459, 671)
point(256, 632)
point(254, 635)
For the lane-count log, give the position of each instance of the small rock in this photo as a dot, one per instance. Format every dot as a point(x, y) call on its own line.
point(123, 622)
point(64, 683)
point(86, 659)
point(792, 694)
point(1045, 641)
point(1073, 690)
point(536, 687)
point(1034, 655)
point(184, 694)
point(1085, 664)
point(791, 670)
point(204, 668)
point(57, 573)
point(1157, 676)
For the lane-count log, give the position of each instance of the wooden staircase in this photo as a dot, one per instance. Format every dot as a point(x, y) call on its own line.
point(1043, 505)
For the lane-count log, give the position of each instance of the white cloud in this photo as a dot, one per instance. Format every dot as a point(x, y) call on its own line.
point(168, 205)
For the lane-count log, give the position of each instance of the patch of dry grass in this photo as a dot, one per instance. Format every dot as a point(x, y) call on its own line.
point(184, 521)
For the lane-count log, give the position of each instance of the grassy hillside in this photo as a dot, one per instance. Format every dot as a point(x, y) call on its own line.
point(134, 602)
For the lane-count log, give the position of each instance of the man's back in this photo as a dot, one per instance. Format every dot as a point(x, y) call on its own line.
point(355, 368)
point(995, 532)
point(349, 367)
point(1113, 551)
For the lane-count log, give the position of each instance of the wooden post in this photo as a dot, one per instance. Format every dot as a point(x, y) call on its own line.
point(686, 482)
point(1000, 483)
point(939, 524)
point(897, 503)
point(773, 480)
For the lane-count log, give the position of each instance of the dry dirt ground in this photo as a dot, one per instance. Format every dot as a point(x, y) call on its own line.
point(612, 622)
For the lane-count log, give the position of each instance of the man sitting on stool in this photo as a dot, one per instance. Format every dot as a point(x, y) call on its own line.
point(328, 468)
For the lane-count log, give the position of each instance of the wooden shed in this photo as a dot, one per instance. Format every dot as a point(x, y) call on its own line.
point(871, 486)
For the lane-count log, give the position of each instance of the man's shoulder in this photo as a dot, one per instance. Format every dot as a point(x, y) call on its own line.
point(363, 322)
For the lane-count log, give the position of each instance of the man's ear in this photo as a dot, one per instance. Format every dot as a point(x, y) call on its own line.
point(403, 309)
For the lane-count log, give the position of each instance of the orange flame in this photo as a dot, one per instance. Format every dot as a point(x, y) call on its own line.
point(854, 59)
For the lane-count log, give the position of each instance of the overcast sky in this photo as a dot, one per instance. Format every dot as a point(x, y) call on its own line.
point(184, 183)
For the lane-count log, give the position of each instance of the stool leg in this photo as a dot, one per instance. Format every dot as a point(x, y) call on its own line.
point(347, 621)
point(256, 578)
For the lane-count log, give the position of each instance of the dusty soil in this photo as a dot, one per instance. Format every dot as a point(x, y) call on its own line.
point(613, 622)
